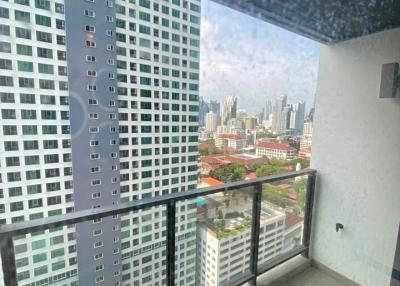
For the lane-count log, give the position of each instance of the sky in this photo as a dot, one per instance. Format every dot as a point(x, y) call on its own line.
point(243, 56)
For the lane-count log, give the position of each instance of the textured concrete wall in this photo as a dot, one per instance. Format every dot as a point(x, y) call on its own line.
point(356, 150)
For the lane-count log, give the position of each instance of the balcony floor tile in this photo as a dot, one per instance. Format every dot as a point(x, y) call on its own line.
point(314, 277)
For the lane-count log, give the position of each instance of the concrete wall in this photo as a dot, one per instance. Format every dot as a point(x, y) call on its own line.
point(356, 150)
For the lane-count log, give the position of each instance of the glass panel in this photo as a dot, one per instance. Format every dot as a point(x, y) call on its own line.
point(282, 218)
point(224, 237)
point(128, 249)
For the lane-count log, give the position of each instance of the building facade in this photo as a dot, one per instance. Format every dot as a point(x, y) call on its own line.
point(297, 115)
point(231, 141)
point(99, 105)
point(211, 121)
point(224, 255)
point(229, 109)
point(279, 117)
point(275, 150)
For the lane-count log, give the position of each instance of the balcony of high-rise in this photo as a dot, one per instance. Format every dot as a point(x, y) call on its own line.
point(99, 154)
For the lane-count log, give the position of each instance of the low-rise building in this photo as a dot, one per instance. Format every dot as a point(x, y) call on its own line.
point(305, 141)
point(209, 163)
point(274, 149)
point(305, 153)
point(231, 142)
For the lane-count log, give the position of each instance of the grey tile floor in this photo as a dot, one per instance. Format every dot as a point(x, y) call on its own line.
point(310, 277)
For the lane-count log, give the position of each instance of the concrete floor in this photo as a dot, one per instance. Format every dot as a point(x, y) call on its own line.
point(310, 277)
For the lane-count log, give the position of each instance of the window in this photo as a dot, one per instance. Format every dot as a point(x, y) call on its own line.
point(90, 28)
point(22, 16)
point(43, 37)
point(43, 20)
point(91, 73)
point(45, 68)
point(90, 44)
point(44, 53)
point(6, 81)
point(26, 82)
point(89, 13)
point(42, 4)
point(94, 156)
point(24, 50)
point(90, 58)
point(91, 87)
point(25, 66)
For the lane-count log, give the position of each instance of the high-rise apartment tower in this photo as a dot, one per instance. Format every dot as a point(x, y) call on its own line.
point(99, 105)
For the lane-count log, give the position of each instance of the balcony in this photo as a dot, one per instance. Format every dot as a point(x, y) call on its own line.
point(249, 226)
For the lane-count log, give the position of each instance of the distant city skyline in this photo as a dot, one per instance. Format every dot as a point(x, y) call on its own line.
point(253, 60)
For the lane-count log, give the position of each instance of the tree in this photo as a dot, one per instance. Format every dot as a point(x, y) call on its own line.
point(263, 134)
point(208, 148)
point(300, 187)
point(269, 170)
point(276, 195)
point(229, 173)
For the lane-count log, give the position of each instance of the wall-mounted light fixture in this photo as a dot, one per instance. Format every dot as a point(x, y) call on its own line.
point(390, 80)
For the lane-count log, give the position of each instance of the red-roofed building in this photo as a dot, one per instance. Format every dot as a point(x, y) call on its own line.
point(231, 141)
point(246, 159)
point(209, 163)
point(251, 175)
point(305, 153)
point(274, 149)
point(209, 182)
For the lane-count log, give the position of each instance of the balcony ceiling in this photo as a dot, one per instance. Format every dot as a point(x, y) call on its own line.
point(325, 21)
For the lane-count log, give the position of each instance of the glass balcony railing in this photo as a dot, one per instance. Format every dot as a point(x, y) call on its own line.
point(223, 235)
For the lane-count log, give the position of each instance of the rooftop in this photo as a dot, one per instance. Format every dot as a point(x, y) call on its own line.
point(276, 145)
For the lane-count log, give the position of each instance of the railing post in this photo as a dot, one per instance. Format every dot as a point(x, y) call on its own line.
point(8, 261)
point(308, 213)
point(171, 212)
point(255, 232)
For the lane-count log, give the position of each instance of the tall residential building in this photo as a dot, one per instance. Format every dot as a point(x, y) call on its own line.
point(297, 115)
point(229, 109)
point(211, 121)
point(279, 118)
point(99, 105)
point(268, 109)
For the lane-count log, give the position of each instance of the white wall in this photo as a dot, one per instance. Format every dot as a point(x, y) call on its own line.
point(356, 151)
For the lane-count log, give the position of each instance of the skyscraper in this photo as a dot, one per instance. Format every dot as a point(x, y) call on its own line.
point(203, 110)
point(229, 109)
point(297, 115)
point(279, 118)
point(99, 105)
point(267, 109)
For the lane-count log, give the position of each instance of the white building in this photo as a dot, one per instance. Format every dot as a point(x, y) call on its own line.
point(127, 73)
point(308, 128)
point(275, 149)
point(224, 254)
point(231, 141)
point(211, 121)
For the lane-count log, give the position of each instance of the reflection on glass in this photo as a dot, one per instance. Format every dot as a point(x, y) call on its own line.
point(282, 218)
point(223, 237)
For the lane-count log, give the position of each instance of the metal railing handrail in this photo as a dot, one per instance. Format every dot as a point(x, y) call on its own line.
point(7, 232)
point(25, 227)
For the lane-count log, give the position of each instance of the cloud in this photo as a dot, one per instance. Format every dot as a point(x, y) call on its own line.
point(254, 60)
